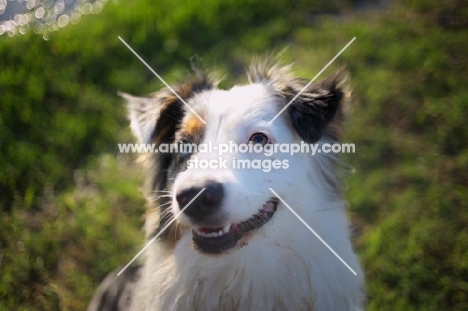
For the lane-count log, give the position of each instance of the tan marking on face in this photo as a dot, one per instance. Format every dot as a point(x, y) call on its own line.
point(193, 127)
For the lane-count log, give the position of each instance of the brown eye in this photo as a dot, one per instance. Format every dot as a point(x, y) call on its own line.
point(258, 138)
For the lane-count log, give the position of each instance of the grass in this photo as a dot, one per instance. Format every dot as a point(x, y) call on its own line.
point(71, 207)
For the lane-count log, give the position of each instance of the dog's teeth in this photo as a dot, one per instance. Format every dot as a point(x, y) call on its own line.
point(213, 234)
point(200, 233)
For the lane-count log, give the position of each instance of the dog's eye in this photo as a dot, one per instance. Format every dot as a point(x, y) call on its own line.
point(185, 148)
point(259, 138)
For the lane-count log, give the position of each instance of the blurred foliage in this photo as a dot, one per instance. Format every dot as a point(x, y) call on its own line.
point(71, 208)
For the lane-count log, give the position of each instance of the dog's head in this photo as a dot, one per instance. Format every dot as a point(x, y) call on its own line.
point(236, 201)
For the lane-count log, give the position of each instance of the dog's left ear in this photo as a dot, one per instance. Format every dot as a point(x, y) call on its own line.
point(321, 108)
point(317, 111)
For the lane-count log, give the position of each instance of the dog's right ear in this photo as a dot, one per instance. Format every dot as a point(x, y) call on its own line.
point(156, 118)
point(142, 113)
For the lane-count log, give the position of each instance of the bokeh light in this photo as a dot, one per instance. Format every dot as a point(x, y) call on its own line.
point(42, 17)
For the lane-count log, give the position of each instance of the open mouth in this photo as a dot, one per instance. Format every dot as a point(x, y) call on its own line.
point(215, 240)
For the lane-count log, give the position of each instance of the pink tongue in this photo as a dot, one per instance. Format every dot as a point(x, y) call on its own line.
point(209, 230)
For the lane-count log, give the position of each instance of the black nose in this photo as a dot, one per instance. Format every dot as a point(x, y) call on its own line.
point(206, 204)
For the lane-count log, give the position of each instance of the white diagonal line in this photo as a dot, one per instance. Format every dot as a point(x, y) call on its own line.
point(159, 77)
point(160, 232)
point(315, 233)
point(316, 76)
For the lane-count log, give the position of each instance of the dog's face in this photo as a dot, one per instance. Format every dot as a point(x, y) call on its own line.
point(236, 201)
point(224, 203)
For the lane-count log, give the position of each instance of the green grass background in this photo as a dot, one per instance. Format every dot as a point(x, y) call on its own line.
point(71, 206)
